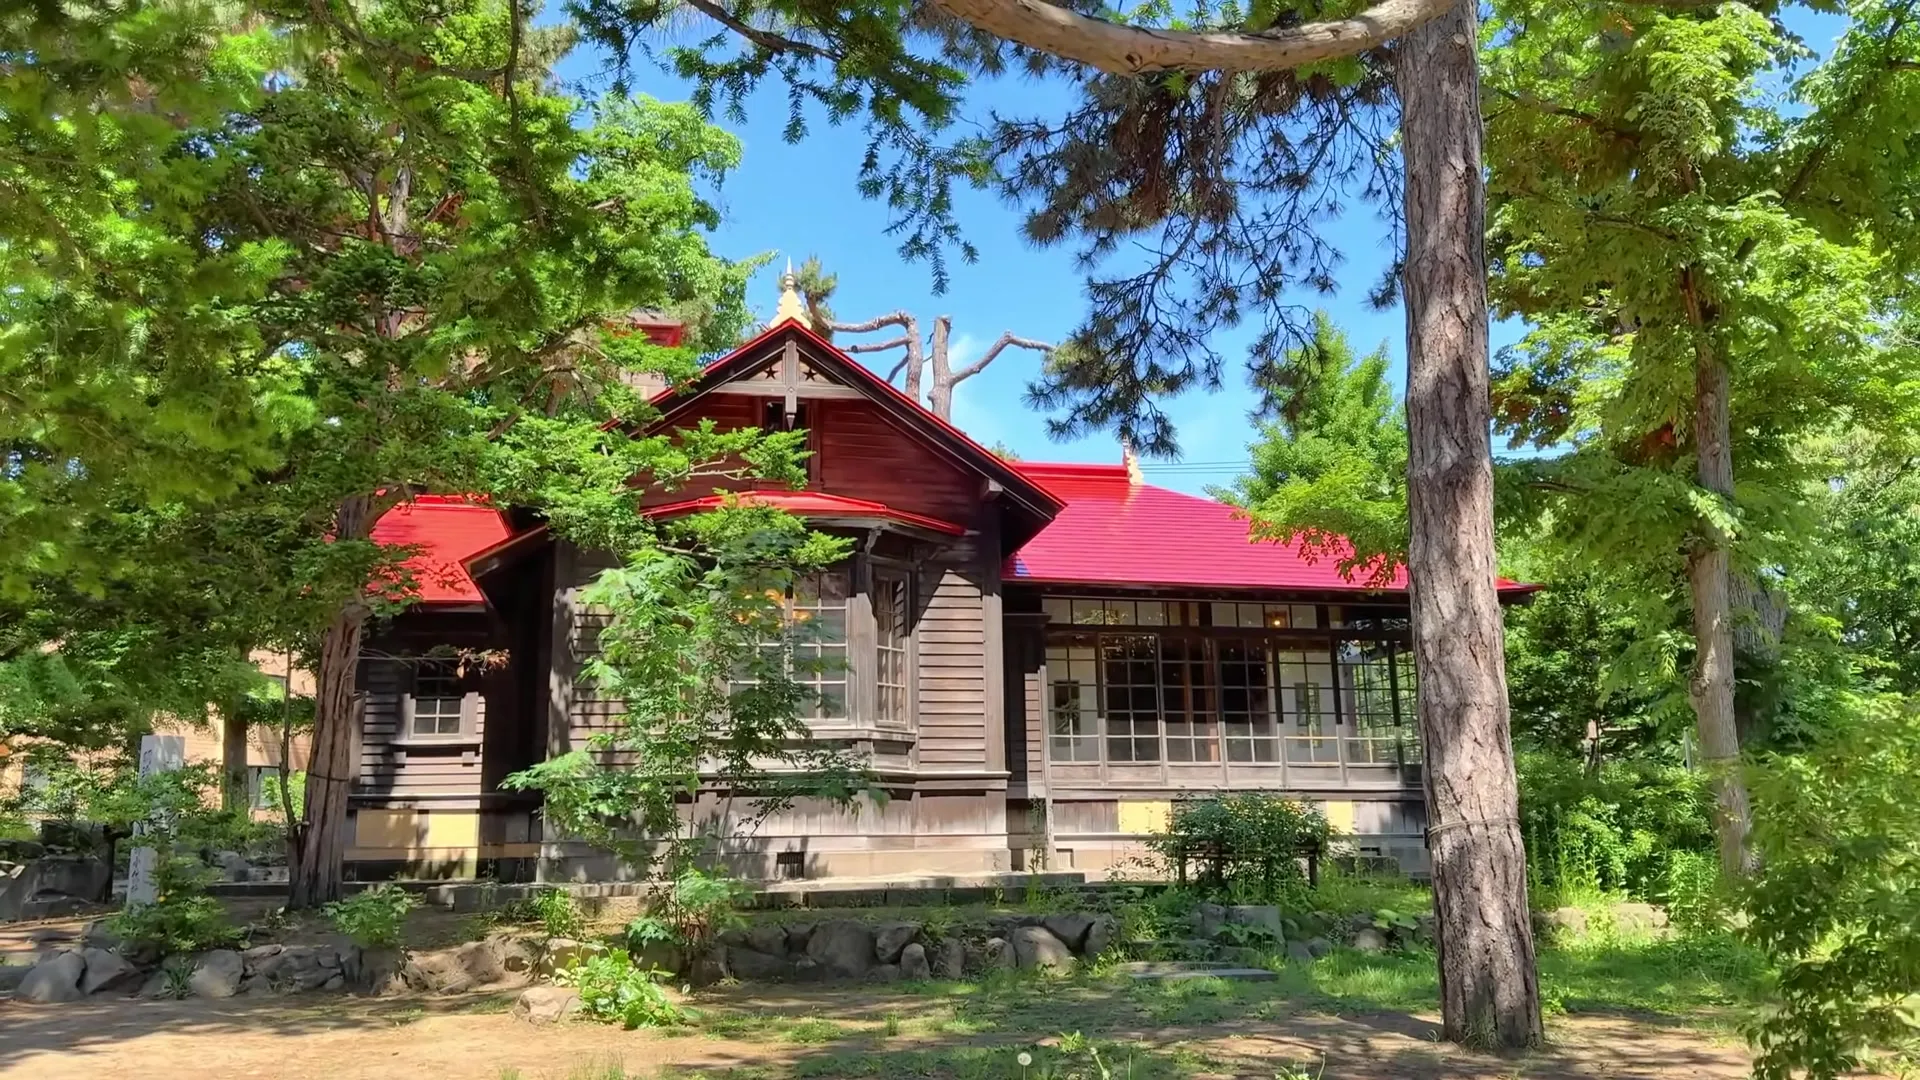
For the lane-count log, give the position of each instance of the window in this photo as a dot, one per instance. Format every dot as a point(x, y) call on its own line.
point(890, 616)
point(438, 702)
point(818, 610)
point(1367, 700)
point(1246, 701)
point(1186, 680)
point(1131, 701)
point(1306, 701)
point(1074, 706)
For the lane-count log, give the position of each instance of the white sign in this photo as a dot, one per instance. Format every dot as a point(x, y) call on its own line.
point(158, 754)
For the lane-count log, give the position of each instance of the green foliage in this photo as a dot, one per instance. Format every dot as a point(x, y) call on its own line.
point(558, 914)
point(1330, 473)
point(694, 910)
point(374, 917)
point(1696, 895)
point(614, 990)
point(708, 665)
point(1836, 903)
point(1612, 831)
point(182, 918)
point(1245, 846)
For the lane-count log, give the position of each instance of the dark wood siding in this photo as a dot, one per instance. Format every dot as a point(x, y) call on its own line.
point(390, 766)
point(729, 412)
point(863, 456)
point(951, 641)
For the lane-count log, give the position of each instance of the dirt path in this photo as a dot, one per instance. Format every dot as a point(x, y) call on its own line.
point(454, 1039)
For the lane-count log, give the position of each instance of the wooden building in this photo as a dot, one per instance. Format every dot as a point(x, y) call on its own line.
point(1038, 658)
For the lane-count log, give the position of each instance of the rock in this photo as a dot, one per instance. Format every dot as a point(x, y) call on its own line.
point(157, 985)
point(375, 971)
point(1298, 953)
point(54, 979)
point(1264, 916)
point(913, 963)
point(1071, 928)
point(335, 984)
point(562, 953)
point(1569, 920)
point(258, 953)
point(843, 948)
point(481, 963)
point(746, 963)
point(233, 865)
point(1243, 956)
point(1208, 919)
point(885, 973)
point(1639, 918)
point(768, 938)
point(99, 935)
point(442, 971)
point(1318, 947)
point(1035, 948)
point(1370, 941)
point(217, 974)
point(890, 938)
point(664, 955)
point(798, 934)
point(951, 961)
point(805, 969)
point(106, 971)
point(999, 955)
point(546, 1004)
point(11, 975)
point(708, 967)
point(514, 955)
point(1099, 936)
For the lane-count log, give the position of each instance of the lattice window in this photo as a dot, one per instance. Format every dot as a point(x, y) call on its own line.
point(438, 701)
point(890, 620)
point(1131, 696)
point(1191, 701)
point(1073, 675)
point(1246, 701)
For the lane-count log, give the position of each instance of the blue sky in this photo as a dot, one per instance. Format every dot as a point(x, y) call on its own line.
point(800, 200)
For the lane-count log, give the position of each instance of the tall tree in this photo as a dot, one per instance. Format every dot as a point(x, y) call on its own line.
point(432, 261)
point(1707, 269)
point(1211, 96)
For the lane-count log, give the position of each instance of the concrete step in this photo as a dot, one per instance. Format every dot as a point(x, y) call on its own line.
point(1175, 970)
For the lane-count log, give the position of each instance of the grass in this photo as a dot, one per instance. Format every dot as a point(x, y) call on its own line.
point(1340, 891)
point(597, 1070)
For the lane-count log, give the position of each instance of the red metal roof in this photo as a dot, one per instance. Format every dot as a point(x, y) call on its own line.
point(1116, 532)
point(813, 504)
point(447, 529)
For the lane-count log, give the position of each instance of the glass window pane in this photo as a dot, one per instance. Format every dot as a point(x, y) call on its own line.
point(1089, 613)
point(1151, 613)
point(1059, 609)
point(1222, 615)
point(1305, 616)
point(1251, 615)
point(1121, 613)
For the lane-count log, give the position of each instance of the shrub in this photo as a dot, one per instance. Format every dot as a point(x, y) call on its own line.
point(613, 989)
point(691, 913)
point(1608, 832)
point(558, 914)
point(182, 918)
point(1836, 902)
point(1245, 847)
point(374, 918)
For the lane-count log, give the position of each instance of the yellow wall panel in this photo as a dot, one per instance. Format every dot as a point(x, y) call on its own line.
point(1143, 818)
point(1339, 815)
point(415, 830)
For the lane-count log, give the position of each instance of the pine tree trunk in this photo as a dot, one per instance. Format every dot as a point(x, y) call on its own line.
point(320, 848)
point(1489, 988)
point(1708, 577)
point(234, 795)
point(940, 397)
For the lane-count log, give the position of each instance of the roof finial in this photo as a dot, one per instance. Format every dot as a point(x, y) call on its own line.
point(790, 309)
point(1132, 462)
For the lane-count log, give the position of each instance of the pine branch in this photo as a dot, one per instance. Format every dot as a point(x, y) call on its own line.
point(877, 346)
point(998, 347)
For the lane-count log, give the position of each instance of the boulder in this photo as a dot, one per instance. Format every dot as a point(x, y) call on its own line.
point(546, 1004)
point(885, 973)
point(157, 985)
point(1035, 948)
point(1370, 941)
point(1264, 916)
point(746, 963)
point(999, 954)
point(1318, 947)
point(217, 974)
point(441, 971)
point(99, 935)
point(82, 877)
point(890, 938)
point(1071, 928)
point(255, 955)
point(913, 963)
point(480, 961)
point(798, 934)
point(1099, 936)
point(375, 971)
point(11, 975)
point(233, 866)
point(806, 969)
point(663, 955)
point(107, 971)
point(769, 938)
point(562, 953)
point(54, 979)
point(1567, 920)
point(1208, 919)
point(335, 984)
point(1298, 953)
point(950, 962)
point(842, 948)
point(514, 955)
point(1640, 918)
point(708, 967)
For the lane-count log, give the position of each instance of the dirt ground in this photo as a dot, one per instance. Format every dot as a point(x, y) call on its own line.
point(843, 1033)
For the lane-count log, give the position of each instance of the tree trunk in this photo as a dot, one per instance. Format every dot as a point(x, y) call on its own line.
point(940, 396)
point(234, 795)
point(320, 845)
point(1489, 990)
point(1708, 576)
